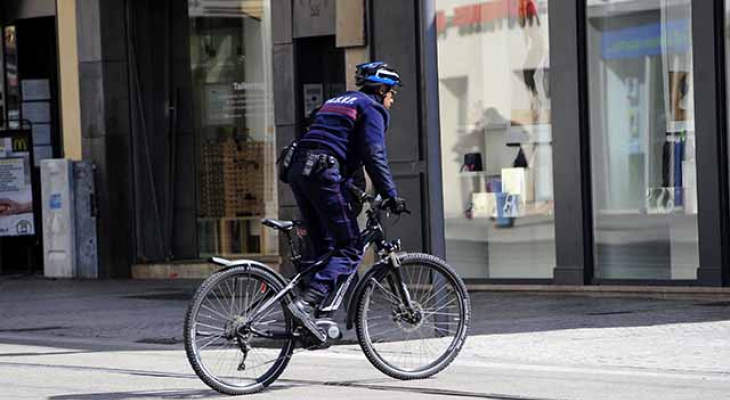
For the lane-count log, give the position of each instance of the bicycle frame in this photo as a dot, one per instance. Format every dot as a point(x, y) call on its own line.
point(371, 235)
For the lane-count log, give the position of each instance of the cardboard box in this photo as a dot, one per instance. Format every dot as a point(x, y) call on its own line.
point(483, 205)
point(519, 181)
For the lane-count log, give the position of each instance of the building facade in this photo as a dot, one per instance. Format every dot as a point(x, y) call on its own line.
point(578, 142)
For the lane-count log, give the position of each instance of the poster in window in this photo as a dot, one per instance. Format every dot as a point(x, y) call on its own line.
point(41, 134)
point(679, 95)
point(38, 112)
point(313, 97)
point(16, 193)
point(42, 153)
point(217, 111)
point(35, 89)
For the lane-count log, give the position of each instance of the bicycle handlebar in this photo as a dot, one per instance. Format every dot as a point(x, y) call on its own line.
point(376, 202)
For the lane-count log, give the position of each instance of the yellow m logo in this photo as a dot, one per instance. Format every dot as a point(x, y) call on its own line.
point(20, 145)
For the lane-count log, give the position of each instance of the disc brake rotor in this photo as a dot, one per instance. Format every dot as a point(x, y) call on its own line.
point(409, 322)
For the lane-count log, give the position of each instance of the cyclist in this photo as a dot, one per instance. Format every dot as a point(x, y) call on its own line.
point(347, 132)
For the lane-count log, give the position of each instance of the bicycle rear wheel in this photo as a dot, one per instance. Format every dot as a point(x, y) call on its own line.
point(417, 345)
point(229, 353)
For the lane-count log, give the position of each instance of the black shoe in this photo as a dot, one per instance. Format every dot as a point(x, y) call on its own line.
point(312, 296)
point(303, 307)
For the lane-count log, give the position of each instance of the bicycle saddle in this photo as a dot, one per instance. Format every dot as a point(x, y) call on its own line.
point(278, 225)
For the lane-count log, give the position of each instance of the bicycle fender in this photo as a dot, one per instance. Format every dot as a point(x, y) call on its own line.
point(377, 271)
point(251, 263)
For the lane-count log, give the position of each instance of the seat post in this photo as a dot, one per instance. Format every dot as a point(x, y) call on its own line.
point(294, 255)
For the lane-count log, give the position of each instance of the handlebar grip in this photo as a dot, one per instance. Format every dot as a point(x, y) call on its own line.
point(359, 194)
point(356, 191)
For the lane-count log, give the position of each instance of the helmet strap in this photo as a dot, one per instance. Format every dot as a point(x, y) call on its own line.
point(376, 91)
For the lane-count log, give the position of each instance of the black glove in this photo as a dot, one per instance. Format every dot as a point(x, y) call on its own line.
point(396, 205)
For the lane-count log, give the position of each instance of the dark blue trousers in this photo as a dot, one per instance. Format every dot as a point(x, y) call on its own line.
point(331, 222)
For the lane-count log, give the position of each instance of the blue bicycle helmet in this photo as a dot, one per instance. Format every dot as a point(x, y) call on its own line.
point(376, 73)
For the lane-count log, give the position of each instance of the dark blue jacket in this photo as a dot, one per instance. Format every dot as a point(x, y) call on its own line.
point(353, 126)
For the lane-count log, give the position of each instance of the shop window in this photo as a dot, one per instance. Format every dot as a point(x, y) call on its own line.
point(496, 139)
point(230, 48)
point(3, 45)
point(727, 59)
point(11, 98)
point(642, 139)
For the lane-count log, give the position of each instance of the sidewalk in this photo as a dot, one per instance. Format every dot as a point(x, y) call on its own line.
point(504, 325)
point(537, 335)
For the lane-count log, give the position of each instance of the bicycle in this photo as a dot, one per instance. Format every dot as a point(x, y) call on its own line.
point(240, 336)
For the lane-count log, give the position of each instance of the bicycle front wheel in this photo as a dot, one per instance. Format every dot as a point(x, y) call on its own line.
point(229, 350)
point(420, 341)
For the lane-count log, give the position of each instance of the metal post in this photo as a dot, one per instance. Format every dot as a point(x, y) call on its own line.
point(571, 153)
point(712, 142)
point(429, 89)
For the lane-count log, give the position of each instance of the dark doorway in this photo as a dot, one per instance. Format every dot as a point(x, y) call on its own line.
point(30, 82)
point(38, 62)
point(320, 73)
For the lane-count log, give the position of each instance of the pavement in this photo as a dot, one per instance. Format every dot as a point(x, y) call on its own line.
point(75, 339)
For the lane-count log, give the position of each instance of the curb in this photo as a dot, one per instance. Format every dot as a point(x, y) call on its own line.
point(188, 270)
point(656, 292)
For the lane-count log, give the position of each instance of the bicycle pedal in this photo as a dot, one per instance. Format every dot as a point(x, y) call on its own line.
point(318, 333)
point(308, 323)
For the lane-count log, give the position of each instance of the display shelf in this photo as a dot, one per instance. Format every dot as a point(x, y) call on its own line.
point(680, 126)
point(472, 174)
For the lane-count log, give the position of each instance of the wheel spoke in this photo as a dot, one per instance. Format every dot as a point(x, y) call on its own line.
point(434, 295)
point(441, 306)
point(232, 292)
point(393, 298)
point(218, 300)
point(215, 312)
point(217, 328)
point(209, 343)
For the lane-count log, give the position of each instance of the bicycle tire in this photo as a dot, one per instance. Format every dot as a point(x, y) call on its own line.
point(366, 342)
point(279, 364)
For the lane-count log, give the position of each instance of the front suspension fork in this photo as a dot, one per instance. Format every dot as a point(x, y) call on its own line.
point(398, 285)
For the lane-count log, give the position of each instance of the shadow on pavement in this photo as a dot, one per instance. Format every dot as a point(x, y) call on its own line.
point(127, 315)
point(156, 394)
point(503, 313)
point(176, 394)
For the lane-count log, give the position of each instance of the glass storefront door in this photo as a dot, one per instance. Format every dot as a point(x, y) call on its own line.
point(230, 51)
point(642, 139)
point(496, 138)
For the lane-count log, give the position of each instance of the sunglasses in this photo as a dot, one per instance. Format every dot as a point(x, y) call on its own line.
point(393, 93)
